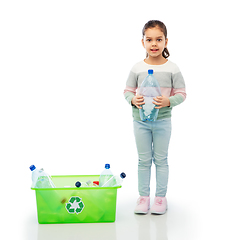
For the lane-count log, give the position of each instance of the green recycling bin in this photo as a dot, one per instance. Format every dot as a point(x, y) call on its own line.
point(68, 204)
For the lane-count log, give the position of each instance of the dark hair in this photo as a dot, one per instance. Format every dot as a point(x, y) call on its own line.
point(161, 25)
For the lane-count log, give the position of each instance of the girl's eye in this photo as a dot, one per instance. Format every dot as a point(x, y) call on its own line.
point(159, 40)
point(148, 40)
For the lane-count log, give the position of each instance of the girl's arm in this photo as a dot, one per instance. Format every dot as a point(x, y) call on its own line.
point(131, 87)
point(129, 93)
point(178, 93)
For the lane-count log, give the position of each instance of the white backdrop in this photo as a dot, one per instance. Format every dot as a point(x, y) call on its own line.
point(63, 69)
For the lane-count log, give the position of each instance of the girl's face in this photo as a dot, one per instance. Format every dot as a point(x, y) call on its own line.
point(154, 42)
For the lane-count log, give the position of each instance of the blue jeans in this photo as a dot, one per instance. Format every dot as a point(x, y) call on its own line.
point(152, 140)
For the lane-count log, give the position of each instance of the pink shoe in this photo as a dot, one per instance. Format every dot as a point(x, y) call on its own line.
point(159, 205)
point(143, 205)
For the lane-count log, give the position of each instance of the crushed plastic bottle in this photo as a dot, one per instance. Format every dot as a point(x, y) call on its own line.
point(95, 183)
point(40, 179)
point(105, 175)
point(115, 181)
point(149, 89)
point(83, 184)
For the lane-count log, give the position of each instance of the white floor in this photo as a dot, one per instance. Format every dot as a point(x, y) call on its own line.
point(188, 218)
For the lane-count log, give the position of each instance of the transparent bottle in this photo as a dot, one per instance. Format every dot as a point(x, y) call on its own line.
point(149, 89)
point(83, 184)
point(40, 179)
point(105, 175)
point(115, 181)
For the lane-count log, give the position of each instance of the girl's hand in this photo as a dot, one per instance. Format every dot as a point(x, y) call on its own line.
point(137, 101)
point(161, 101)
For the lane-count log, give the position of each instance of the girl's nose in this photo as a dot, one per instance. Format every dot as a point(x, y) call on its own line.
point(154, 43)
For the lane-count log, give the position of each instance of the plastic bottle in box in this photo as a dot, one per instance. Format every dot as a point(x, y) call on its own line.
point(105, 175)
point(40, 179)
point(83, 184)
point(95, 183)
point(115, 181)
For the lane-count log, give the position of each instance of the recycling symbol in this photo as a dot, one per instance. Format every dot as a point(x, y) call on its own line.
point(75, 205)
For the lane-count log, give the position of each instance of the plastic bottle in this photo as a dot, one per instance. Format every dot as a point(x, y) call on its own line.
point(83, 184)
point(95, 183)
point(105, 175)
point(40, 179)
point(149, 89)
point(115, 181)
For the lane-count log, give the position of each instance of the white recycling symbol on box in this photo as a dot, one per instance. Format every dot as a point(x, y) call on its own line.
point(75, 205)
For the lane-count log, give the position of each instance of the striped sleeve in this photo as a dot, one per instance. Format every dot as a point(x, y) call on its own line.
point(131, 87)
point(178, 93)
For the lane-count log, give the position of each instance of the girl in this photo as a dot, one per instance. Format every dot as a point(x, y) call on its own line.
point(152, 138)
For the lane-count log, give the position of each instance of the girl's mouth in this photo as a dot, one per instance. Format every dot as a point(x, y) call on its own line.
point(153, 50)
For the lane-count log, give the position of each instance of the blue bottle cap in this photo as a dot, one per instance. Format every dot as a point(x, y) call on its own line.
point(32, 167)
point(78, 184)
point(107, 166)
point(150, 71)
point(122, 175)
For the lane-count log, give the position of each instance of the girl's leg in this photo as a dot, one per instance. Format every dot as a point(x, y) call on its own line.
point(161, 138)
point(143, 138)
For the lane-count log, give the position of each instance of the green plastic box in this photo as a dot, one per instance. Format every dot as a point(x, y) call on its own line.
point(68, 204)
